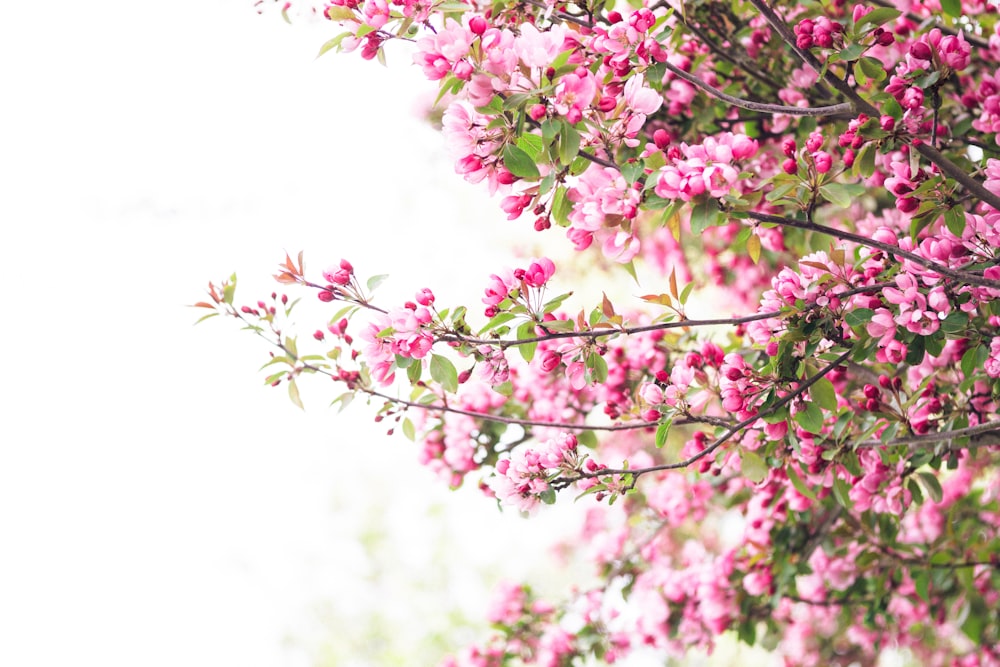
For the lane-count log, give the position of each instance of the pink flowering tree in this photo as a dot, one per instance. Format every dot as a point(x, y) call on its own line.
point(815, 469)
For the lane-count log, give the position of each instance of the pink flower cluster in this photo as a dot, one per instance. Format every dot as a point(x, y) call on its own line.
point(401, 331)
point(703, 168)
point(524, 475)
point(821, 32)
point(522, 284)
point(603, 205)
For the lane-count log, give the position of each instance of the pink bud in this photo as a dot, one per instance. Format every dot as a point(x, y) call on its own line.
point(326, 295)
point(478, 25)
point(504, 177)
point(607, 104)
point(788, 147)
point(424, 297)
point(661, 139)
point(887, 123)
point(789, 166)
point(823, 161)
point(537, 112)
point(462, 70)
point(885, 39)
point(921, 51)
point(907, 204)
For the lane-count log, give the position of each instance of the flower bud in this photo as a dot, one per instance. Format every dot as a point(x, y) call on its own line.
point(823, 161)
point(478, 25)
point(921, 51)
point(789, 166)
point(788, 147)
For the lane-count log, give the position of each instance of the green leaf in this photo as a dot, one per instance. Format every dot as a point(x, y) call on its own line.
point(921, 581)
point(409, 430)
point(335, 42)
point(931, 484)
point(520, 163)
point(872, 68)
point(374, 282)
point(569, 144)
point(753, 248)
point(504, 388)
point(859, 317)
point(631, 171)
point(952, 7)
point(497, 320)
point(344, 400)
point(293, 393)
point(532, 145)
point(852, 52)
point(705, 214)
point(841, 194)
point(561, 206)
point(753, 466)
point(810, 418)
point(823, 393)
point(797, 482)
point(598, 367)
point(662, 431)
point(443, 372)
point(954, 218)
point(841, 492)
point(877, 17)
point(552, 304)
point(527, 330)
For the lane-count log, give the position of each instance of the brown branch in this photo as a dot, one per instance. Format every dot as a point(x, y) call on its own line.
point(948, 167)
point(730, 432)
point(972, 39)
point(845, 109)
point(517, 421)
point(941, 436)
point(961, 276)
point(600, 333)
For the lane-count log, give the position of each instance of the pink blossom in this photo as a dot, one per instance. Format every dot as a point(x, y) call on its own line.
point(640, 99)
point(539, 272)
point(538, 49)
point(499, 287)
point(574, 94)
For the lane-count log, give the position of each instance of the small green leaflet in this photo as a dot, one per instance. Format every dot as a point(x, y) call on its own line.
point(443, 372)
point(753, 466)
point(810, 418)
point(520, 163)
point(823, 393)
point(952, 7)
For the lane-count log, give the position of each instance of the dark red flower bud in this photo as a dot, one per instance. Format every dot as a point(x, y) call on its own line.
point(921, 51)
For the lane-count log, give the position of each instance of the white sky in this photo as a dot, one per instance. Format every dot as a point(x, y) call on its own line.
point(158, 505)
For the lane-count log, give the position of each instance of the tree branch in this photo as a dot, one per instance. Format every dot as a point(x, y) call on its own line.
point(954, 274)
point(845, 109)
point(948, 167)
point(730, 432)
